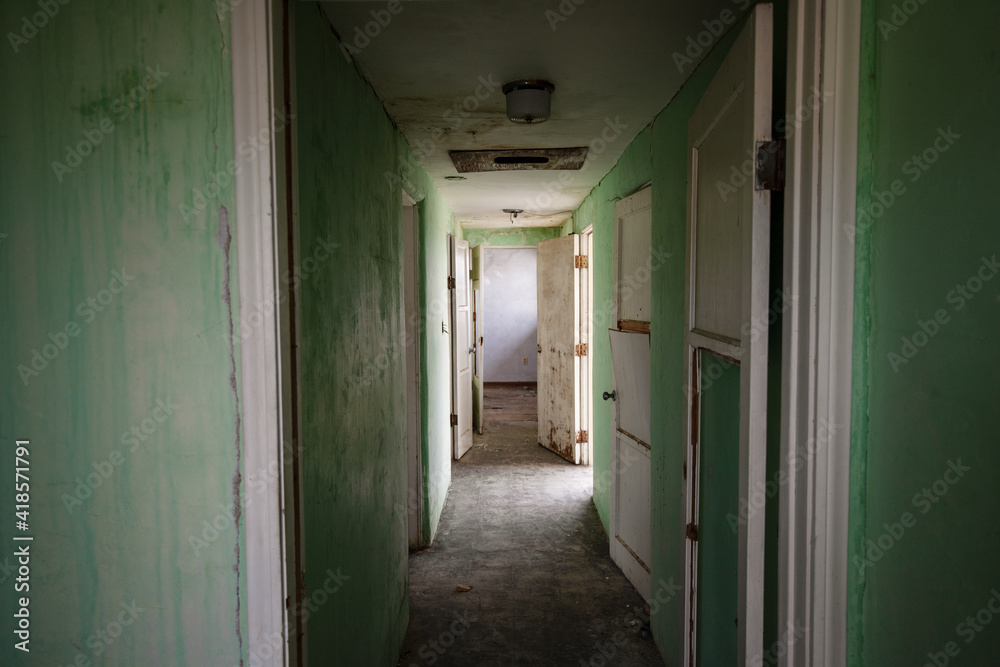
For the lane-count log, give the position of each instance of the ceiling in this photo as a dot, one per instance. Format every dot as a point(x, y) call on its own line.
point(438, 66)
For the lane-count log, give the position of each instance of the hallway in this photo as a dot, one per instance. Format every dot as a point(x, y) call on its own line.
point(521, 529)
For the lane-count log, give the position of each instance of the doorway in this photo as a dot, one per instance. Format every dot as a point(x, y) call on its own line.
point(411, 312)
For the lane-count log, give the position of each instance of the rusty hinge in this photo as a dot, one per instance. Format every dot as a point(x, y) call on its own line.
point(581, 437)
point(692, 532)
point(579, 261)
point(454, 419)
point(581, 350)
point(451, 282)
point(770, 171)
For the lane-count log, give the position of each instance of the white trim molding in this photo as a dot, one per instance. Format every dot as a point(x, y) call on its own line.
point(820, 198)
point(262, 240)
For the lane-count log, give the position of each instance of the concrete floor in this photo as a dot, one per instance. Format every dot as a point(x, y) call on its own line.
point(521, 529)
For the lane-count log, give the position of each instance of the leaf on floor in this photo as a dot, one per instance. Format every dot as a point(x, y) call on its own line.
point(462, 588)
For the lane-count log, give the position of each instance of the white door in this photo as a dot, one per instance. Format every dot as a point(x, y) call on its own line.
point(461, 340)
point(630, 458)
point(558, 335)
point(727, 294)
point(631, 470)
point(478, 413)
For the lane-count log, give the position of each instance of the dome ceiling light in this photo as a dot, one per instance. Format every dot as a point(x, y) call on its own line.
point(528, 100)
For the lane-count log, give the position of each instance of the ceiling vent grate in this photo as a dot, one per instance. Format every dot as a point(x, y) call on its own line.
point(517, 159)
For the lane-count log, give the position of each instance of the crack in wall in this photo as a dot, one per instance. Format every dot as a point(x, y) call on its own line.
point(225, 240)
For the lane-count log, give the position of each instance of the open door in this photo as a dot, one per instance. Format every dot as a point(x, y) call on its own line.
point(558, 336)
point(728, 257)
point(461, 343)
point(477, 339)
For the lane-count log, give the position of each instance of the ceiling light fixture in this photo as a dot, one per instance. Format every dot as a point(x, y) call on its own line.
point(513, 213)
point(528, 100)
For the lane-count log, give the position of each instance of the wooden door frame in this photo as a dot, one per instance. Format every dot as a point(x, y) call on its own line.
point(265, 197)
point(824, 47)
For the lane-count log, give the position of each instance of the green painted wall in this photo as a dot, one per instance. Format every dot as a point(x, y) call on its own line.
point(115, 512)
point(523, 236)
point(924, 537)
point(352, 166)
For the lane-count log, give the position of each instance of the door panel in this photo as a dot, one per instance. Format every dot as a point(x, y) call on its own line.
point(462, 347)
point(558, 334)
point(718, 503)
point(633, 238)
point(630, 461)
point(728, 265)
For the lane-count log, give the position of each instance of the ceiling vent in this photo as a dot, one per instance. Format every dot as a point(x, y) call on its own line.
point(519, 159)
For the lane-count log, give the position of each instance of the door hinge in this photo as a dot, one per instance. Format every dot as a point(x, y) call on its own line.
point(770, 167)
point(454, 419)
point(581, 437)
point(451, 282)
point(580, 261)
point(581, 350)
point(692, 532)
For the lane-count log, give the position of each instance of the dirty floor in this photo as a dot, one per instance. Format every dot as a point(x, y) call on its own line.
point(520, 528)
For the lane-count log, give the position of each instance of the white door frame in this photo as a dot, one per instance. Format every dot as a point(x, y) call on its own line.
point(824, 40)
point(411, 311)
point(263, 190)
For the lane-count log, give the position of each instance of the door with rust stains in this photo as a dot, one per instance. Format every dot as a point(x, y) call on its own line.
point(558, 336)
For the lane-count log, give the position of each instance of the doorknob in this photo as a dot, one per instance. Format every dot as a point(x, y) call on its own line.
point(612, 396)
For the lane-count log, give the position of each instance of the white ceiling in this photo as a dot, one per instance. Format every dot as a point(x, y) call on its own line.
point(611, 63)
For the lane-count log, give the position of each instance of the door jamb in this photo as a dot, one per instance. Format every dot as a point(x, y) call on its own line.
point(411, 275)
point(264, 195)
point(820, 201)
